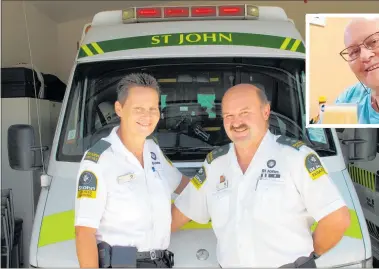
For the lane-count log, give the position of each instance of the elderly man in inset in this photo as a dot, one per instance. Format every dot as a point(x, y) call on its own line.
point(362, 54)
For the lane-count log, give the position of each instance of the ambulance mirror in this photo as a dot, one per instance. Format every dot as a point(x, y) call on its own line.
point(361, 143)
point(21, 147)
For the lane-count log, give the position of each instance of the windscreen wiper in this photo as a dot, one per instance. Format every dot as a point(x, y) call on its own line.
point(188, 149)
point(324, 151)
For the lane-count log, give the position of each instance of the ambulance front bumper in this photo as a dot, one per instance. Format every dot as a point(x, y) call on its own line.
point(368, 263)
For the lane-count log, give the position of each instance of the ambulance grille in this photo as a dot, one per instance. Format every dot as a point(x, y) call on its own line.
point(373, 229)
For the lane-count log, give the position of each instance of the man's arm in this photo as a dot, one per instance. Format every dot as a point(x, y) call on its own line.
point(323, 202)
point(330, 230)
point(191, 204)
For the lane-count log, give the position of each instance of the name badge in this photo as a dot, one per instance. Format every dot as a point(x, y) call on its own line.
point(223, 184)
point(126, 178)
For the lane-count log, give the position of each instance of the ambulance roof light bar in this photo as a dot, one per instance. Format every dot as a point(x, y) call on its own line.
point(145, 14)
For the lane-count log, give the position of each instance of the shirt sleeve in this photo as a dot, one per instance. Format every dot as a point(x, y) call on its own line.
point(192, 202)
point(90, 195)
point(319, 193)
point(171, 174)
point(349, 95)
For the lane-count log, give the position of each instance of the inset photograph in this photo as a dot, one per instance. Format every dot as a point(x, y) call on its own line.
point(342, 78)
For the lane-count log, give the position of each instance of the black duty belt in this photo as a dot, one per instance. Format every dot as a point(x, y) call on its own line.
point(152, 255)
point(129, 257)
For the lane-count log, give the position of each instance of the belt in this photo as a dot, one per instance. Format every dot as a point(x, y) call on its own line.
point(153, 254)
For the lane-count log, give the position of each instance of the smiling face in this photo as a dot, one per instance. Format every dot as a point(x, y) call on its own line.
point(366, 66)
point(245, 115)
point(139, 114)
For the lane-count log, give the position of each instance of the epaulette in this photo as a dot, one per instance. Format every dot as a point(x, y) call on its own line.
point(153, 138)
point(294, 143)
point(214, 154)
point(95, 152)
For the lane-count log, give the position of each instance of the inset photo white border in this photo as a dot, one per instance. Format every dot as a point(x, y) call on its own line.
point(320, 20)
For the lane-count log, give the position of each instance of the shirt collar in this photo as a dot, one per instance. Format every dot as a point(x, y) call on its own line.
point(263, 148)
point(118, 146)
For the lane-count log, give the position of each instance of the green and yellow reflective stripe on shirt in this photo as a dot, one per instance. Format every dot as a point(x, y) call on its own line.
point(59, 227)
point(190, 39)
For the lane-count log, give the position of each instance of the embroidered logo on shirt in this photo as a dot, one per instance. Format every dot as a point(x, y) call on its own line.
point(87, 186)
point(296, 144)
point(314, 166)
point(95, 152)
point(199, 179)
point(155, 161)
point(271, 163)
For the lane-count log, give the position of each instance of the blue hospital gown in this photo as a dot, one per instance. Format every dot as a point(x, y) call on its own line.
point(357, 94)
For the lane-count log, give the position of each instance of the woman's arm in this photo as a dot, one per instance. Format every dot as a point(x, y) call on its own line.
point(86, 247)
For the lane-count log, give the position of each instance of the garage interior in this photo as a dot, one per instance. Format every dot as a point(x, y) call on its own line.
point(44, 35)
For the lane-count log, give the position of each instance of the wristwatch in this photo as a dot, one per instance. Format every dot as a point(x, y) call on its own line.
point(315, 255)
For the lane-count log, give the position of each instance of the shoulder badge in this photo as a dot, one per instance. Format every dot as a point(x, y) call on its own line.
point(314, 166)
point(95, 152)
point(294, 143)
point(87, 186)
point(214, 154)
point(199, 179)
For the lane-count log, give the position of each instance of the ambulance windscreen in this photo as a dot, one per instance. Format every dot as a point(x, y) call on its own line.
point(191, 123)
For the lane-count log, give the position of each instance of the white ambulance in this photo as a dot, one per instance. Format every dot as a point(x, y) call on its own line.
point(365, 176)
point(196, 53)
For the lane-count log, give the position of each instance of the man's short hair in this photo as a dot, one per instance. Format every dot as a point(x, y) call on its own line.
point(135, 80)
point(263, 96)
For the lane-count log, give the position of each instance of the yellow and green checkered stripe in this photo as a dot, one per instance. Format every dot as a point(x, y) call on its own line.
point(198, 38)
point(59, 227)
point(364, 177)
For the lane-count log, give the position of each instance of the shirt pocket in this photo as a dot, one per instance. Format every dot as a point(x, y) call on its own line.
point(126, 198)
point(268, 201)
point(220, 207)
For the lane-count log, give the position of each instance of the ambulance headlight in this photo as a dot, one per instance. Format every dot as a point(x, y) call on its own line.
point(252, 11)
point(128, 14)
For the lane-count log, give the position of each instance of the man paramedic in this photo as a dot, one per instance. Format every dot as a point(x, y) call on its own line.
point(362, 55)
point(262, 192)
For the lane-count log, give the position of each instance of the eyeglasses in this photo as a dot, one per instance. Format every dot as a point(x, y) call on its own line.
point(353, 52)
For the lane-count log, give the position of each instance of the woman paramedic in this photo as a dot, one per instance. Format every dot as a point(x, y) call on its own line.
point(124, 186)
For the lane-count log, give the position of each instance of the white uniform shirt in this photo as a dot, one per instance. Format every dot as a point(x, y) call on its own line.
point(261, 218)
point(127, 204)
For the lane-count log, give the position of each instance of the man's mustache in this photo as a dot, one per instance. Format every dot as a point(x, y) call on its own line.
point(240, 127)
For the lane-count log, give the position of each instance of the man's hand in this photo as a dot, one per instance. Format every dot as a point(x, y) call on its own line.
point(182, 185)
point(330, 230)
point(178, 219)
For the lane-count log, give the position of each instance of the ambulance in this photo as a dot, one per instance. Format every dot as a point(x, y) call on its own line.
point(196, 53)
